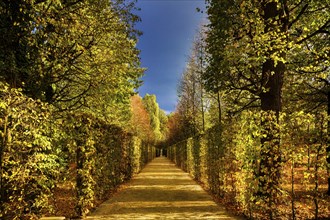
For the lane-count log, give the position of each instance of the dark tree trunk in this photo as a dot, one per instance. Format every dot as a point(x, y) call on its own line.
point(219, 108)
point(2, 150)
point(328, 147)
point(271, 104)
point(272, 77)
point(79, 178)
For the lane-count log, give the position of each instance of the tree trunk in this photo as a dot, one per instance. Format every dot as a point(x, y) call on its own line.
point(328, 147)
point(202, 108)
point(2, 150)
point(219, 108)
point(79, 179)
point(271, 105)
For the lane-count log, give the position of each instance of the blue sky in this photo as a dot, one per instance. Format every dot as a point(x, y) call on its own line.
point(168, 27)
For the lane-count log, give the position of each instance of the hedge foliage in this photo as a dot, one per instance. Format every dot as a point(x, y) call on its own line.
point(106, 156)
point(38, 145)
point(28, 163)
point(228, 162)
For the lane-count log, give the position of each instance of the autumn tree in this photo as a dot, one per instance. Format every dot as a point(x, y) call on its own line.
point(140, 121)
point(152, 108)
point(72, 53)
point(163, 119)
point(176, 130)
point(80, 57)
point(193, 100)
point(250, 44)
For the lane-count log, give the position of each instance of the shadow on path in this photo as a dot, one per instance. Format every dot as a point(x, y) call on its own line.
point(161, 191)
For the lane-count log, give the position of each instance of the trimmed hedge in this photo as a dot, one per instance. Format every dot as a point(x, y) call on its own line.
point(28, 163)
point(227, 161)
point(38, 146)
point(106, 156)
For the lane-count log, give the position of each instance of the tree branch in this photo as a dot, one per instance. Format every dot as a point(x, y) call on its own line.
point(298, 16)
point(320, 30)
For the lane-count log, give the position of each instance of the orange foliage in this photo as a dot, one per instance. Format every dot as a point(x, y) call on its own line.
point(140, 121)
point(175, 128)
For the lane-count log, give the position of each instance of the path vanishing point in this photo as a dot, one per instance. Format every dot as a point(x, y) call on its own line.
point(161, 191)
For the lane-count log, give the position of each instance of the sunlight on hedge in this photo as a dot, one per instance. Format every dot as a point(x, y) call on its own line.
point(42, 152)
point(228, 161)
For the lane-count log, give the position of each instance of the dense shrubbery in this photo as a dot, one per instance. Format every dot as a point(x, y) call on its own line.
point(28, 163)
point(67, 72)
point(228, 162)
point(106, 156)
point(268, 90)
point(37, 149)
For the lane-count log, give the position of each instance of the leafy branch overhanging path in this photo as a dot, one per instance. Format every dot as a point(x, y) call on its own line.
point(161, 191)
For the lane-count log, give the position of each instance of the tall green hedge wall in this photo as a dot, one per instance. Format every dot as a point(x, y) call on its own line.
point(39, 145)
point(227, 161)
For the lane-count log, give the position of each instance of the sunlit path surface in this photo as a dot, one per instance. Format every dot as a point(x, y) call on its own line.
point(161, 191)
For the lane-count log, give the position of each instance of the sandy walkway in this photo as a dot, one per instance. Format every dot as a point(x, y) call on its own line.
point(161, 191)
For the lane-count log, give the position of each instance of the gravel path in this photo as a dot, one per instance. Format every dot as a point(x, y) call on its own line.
point(161, 191)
